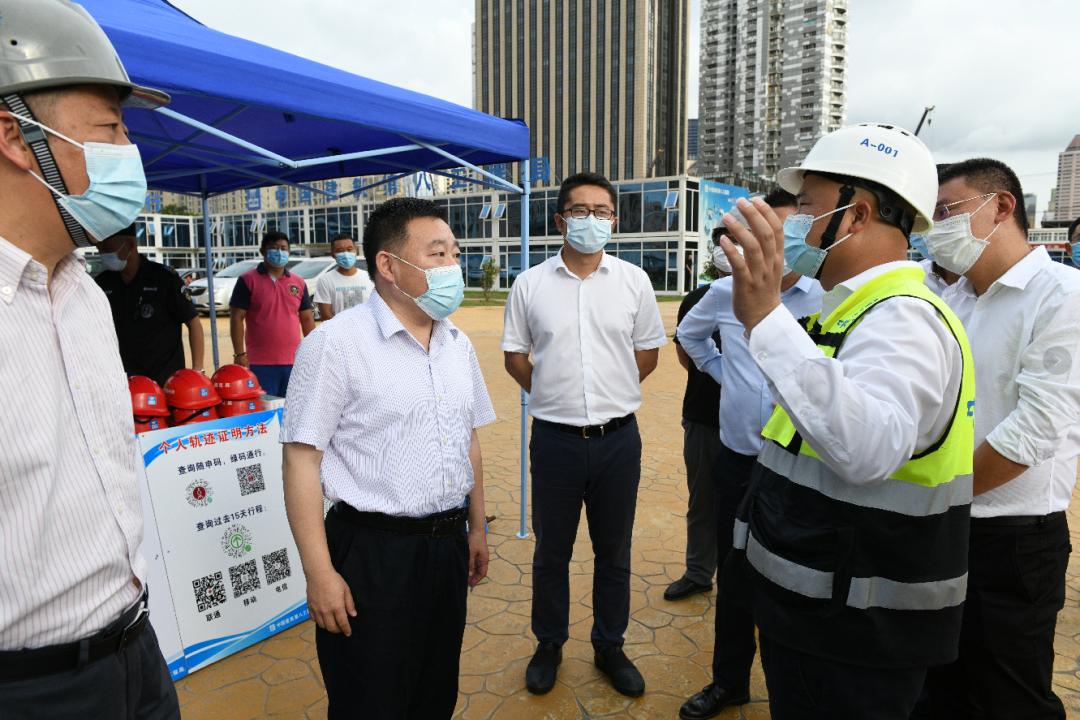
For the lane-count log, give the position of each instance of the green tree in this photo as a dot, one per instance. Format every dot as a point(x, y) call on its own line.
point(173, 209)
point(490, 270)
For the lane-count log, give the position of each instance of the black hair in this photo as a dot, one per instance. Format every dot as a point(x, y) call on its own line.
point(891, 208)
point(586, 178)
point(989, 176)
point(386, 227)
point(342, 236)
point(1072, 229)
point(271, 238)
point(779, 197)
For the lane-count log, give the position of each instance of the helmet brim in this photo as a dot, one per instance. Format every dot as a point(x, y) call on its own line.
point(146, 98)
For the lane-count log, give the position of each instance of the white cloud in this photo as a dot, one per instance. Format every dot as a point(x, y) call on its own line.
point(1001, 74)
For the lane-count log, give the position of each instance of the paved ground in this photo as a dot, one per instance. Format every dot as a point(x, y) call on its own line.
point(671, 642)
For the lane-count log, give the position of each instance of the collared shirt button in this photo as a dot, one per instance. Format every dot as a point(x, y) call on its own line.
point(6, 290)
point(761, 356)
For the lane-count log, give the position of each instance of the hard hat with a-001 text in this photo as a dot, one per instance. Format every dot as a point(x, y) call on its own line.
point(884, 154)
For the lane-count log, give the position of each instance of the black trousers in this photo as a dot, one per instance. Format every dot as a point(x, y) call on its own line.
point(1016, 586)
point(132, 684)
point(734, 647)
point(603, 473)
point(807, 687)
point(701, 443)
point(401, 660)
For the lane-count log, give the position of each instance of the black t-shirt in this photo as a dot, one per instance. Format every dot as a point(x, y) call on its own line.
point(701, 403)
point(148, 313)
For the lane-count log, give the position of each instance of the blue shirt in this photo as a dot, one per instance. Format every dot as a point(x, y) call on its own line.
point(745, 400)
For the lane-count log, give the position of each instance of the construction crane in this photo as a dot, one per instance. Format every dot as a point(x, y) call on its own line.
point(925, 118)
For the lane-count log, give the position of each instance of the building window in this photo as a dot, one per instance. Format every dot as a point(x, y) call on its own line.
point(508, 62)
point(628, 140)
point(586, 83)
point(600, 106)
point(573, 139)
point(613, 129)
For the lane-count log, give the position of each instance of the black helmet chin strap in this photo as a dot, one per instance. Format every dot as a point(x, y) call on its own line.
point(829, 236)
point(39, 145)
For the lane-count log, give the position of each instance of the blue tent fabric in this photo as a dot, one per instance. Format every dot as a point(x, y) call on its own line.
point(294, 107)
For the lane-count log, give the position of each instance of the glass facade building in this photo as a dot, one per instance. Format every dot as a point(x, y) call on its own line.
point(657, 231)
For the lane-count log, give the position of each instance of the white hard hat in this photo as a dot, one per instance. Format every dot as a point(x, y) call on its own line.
point(885, 154)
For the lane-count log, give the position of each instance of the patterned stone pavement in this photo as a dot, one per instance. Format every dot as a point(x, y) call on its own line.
point(670, 642)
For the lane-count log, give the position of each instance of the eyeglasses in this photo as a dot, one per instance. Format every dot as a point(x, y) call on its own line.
point(942, 211)
point(579, 212)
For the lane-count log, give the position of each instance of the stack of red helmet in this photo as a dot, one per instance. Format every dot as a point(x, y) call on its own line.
point(191, 397)
point(147, 404)
point(239, 390)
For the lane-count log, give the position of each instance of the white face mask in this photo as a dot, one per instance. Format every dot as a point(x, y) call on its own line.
point(952, 244)
point(720, 259)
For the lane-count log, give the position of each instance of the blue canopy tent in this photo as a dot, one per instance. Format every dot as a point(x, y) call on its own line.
point(244, 115)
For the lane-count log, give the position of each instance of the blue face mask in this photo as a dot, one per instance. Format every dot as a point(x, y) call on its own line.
point(918, 244)
point(446, 289)
point(113, 261)
point(277, 258)
point(1076, 254)
point(345, 260)
point(588, 235)
point(117, 188)
point(800, 257)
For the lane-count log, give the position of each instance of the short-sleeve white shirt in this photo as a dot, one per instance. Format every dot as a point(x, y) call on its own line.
point(582, 334)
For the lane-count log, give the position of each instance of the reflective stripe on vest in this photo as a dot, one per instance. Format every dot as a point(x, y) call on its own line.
point(906, 498)
point(863, 593)
point(932, 483)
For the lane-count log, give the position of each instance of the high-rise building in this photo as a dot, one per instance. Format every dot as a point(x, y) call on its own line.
point(601, 83)
point(1067, 197)
point(692, 129)
point(772, 81)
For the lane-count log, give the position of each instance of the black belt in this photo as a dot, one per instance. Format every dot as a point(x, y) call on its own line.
point(590, 431)
point(1017, 520)
point(451, 522)
point(40, 662)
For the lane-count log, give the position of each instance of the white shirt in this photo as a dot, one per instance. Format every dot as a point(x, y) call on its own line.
point(961, 303)
point(1025, 338)
point(70, 516)
point(889, 393)
point(394, 422)
point(342, 292)
point(582, 334)
point(745, 400)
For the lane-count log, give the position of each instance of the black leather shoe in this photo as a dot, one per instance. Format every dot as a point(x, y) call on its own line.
point(624, 677)
point(710, 701)
point(684, 588)
point(543, 668)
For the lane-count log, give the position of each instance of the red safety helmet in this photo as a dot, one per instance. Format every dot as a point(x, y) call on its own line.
point(232, 408)
point(147, 398)
point(236, 382)
point(147, 424)
point(188, 389)
point(181, 416)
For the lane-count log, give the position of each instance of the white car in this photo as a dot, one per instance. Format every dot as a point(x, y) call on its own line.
point(224, 282)
point(308, 268)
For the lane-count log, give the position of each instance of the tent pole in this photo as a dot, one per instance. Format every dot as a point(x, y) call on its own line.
point(524, 200)
point(210, 275)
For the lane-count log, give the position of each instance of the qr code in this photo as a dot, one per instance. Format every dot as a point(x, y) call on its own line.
point(209, 591)
point(251, 479)
point(276, 566)
point(244, 578)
